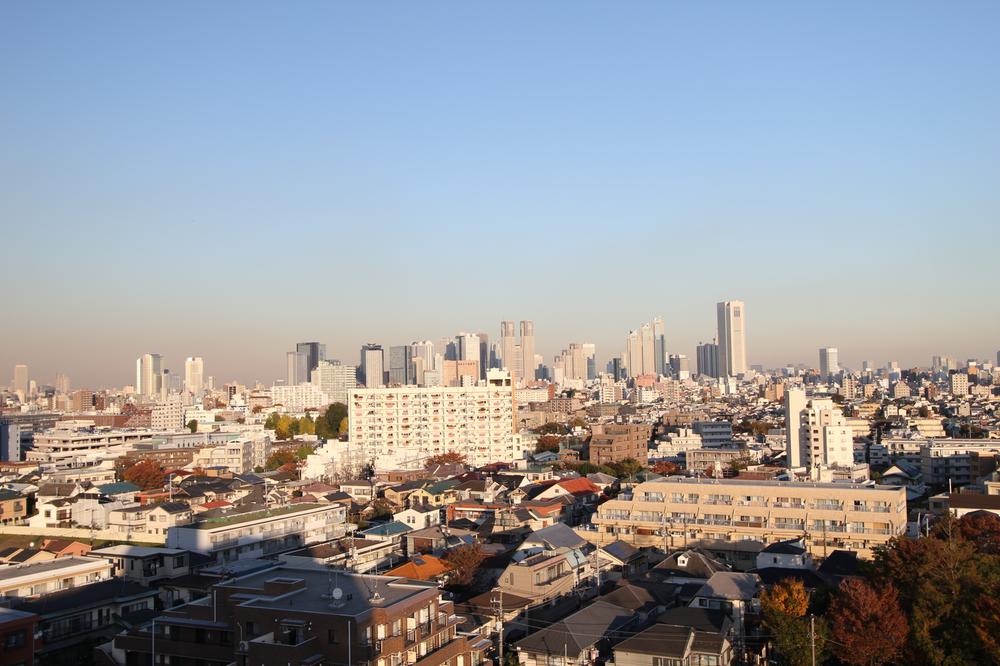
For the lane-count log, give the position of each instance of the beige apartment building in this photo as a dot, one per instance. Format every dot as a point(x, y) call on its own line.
point(675, 512)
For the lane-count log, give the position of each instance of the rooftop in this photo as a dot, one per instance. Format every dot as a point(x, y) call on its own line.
point(767, 483)
point(208, 523)
point(136, 551)
point(313, 593)
point(48, 566)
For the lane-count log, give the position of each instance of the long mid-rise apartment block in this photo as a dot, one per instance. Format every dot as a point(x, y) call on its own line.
point(674, 512)
point(401, 427)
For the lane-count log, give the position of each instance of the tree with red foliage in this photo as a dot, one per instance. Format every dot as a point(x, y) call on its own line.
point(147, 474)
point(666, 468)
point(547, 443)
point(983, 529)
point(867, 623)
point(466, 560)
point(446, 458)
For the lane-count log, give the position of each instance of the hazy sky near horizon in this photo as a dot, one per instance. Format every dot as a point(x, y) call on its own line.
point(223, 179)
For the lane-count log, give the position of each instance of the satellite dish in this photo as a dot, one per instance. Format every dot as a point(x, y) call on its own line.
point(337, 593)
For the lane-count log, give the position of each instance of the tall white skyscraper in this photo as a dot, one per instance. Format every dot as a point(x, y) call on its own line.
point(590, 352)
point(732, 338)
point(633, 354)
point(659, 345)
point(423, 350)
point(528, 350)
point(829, 365)
point(648, 350)
point(372, 366)
point(468, 346)
point(297, 368)
point(62, 384)
point(507, 345)
point(21, 380)
point(149, 375)
point(194, 374)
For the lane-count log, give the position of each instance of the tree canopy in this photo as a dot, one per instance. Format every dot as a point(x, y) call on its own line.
point(147, 474)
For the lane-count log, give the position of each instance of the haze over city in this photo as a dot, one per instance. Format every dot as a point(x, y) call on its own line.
point(225, 185)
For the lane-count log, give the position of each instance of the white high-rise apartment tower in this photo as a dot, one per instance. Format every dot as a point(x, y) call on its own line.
point(194, 373)
point(648, 350)
point(373, 366)
point(816, 432)
point(148, 375)
point(528, 350)
point(732, 338)
point(829, 365)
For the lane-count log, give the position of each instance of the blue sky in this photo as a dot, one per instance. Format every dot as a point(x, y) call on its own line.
point(223, 179)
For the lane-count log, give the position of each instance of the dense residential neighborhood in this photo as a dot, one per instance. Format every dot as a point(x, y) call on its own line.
point(648, 520)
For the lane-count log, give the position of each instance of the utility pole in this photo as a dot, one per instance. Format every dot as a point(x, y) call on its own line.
point(812, 637)
point(499, 616)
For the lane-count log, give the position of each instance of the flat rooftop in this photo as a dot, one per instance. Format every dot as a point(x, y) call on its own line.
point(48, 566)
point(356, 590)
point(255, 513)
point(136, 551)
point(737, 483)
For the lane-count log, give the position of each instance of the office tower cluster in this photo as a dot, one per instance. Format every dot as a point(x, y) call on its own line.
point(518, 356)
point(646, 350)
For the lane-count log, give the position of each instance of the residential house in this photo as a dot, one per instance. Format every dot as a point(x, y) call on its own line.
point(419, 516)
point(673, 645)
point(735, 593)
point(13, 507)
point(585, 637)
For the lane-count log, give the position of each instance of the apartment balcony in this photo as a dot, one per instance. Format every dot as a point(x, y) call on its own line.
point(267, 649)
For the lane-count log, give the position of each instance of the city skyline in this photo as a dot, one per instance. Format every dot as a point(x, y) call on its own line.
point(348, 354)
point(399, 173)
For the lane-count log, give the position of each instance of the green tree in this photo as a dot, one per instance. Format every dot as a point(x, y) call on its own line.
point(307, 426)
point(286, 427)
point(192, 425)
point(328, 424)
point(784, 608)
point(303, 451)
point(271, 422)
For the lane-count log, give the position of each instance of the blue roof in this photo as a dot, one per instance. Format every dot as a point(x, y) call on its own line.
point(388, 529)
point(118, 488)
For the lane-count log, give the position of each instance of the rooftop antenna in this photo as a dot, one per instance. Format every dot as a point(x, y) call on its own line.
point(334, 593)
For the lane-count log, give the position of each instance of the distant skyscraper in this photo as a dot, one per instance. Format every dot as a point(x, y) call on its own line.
point(679, 366)
point(297, 368)
point(590, 352)
point(829, 365)
point(21, 380)
point(401, 365)
point(484, 354)
point(371, 372)
point(148, 375)
point(732, 338)
point(659, 346)
point(423, 350)
point(633, 354)
point(507, 344)
point(707, 360)
point(335, 380)
point(315, 352)
point(62, 384)
point(646, 340)
point(194, 374)
point(528, 350)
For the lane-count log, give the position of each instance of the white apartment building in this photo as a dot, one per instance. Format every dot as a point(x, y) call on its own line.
point(334, 380)
point(63, 573)
point(399, 428)
point(674, 444)
point(524, 396)
point(239, 457)
point(298, 397)
point(263, 532)
point(676, 512)
point(817, 432)
point(959, 383)
point(167, 415)
point(73, 448)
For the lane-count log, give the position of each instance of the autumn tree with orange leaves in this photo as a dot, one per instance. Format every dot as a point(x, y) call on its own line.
point(147, 474)
point(446, 458)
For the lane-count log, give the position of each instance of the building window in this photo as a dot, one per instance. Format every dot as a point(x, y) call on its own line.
point(14, 639)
